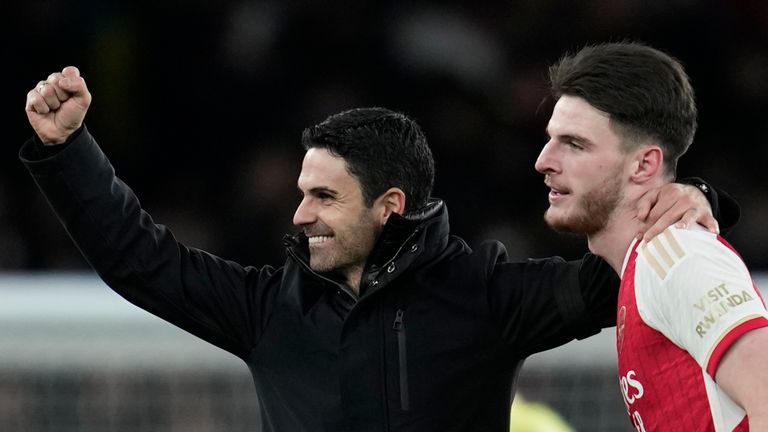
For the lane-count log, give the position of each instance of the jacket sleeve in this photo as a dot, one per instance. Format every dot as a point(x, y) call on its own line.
point(214, 299)
point(540, 304)
point(724, 207)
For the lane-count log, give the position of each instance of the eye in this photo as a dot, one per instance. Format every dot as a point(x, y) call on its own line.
point(574, 145)
point(323, 195)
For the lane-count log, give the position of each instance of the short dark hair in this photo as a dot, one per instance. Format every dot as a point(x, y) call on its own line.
point(382, 149)
point(645, 91)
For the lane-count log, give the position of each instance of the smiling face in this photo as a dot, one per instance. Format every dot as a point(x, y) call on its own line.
point(583, 166)
point(341, 229)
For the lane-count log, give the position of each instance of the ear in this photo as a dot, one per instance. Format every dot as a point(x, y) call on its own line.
point(648, 164)
point(391, 201)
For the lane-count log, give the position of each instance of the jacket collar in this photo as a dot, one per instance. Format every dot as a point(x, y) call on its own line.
point(427, 225)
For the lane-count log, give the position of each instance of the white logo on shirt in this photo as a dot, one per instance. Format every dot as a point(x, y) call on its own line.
point(632, 390)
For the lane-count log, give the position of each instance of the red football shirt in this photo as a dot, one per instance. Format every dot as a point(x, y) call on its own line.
point(685, 298)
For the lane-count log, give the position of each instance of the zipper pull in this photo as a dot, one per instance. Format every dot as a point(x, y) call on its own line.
point(398, 324)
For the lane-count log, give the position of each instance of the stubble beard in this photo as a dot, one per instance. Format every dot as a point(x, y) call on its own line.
point(592, 212)
point(350, 249)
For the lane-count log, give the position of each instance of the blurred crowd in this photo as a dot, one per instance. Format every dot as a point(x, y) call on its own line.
point(200, 106)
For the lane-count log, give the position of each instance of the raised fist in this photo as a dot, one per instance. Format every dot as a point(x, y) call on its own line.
point(56, 107)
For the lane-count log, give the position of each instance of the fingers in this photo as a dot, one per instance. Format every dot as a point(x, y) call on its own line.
point(712, 225)
point(700, 217)
point(47, 95)
point(62, 84)
point(646, 203)
point(667, 205)
point(71, 71)
point(682, 205)
point(72, 82)
point(51, 93)
point(54, 82)
point(699, 211)
point(57, 106)
point(35, 101)
point(664, 210)
point(651, 233)
point(674, 214)
point(73, 85)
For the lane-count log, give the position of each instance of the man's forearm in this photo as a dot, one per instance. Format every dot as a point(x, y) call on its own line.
point(744, 377)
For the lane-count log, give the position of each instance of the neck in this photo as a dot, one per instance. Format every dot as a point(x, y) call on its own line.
point(353, 277)
point(611, 243)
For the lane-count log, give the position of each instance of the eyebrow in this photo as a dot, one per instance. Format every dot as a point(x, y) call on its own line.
point(569, 137)
point(317, 190)
point(577, 138)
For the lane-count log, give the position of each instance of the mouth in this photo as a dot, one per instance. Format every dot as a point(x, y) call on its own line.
point(556, 194)
point(318, 239)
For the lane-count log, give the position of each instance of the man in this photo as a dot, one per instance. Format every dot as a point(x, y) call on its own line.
point(692, 339)
point(379, 320)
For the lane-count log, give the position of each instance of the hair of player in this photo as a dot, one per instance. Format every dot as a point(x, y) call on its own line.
point(645, 91)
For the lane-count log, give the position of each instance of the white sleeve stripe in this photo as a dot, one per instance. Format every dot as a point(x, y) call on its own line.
point(662, 252)
point(660, 271)
point(674, 243)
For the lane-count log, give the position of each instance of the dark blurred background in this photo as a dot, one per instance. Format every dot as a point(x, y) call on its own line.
point(200, 106)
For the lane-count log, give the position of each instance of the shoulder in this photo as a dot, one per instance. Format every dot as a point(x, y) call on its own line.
point(695, 249)
point(686, 284)
point(480, 261)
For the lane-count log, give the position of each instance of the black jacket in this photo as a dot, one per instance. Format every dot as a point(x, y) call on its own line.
point(432, 344)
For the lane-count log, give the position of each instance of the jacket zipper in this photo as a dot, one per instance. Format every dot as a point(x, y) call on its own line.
point(402, 355)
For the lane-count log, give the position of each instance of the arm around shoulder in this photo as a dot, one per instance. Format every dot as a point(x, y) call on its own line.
point(545, 303)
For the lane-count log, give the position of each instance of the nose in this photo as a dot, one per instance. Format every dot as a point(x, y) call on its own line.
point(304, 214)
point(546, 162)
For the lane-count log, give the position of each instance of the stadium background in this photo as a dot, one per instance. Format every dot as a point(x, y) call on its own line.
point(200, 106)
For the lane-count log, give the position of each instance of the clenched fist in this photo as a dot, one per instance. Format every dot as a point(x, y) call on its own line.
point(56, 107)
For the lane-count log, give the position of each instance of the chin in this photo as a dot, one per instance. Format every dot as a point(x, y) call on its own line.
point(320, 266)
point(563, 228)
point(563, 224)
point(555, 218)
